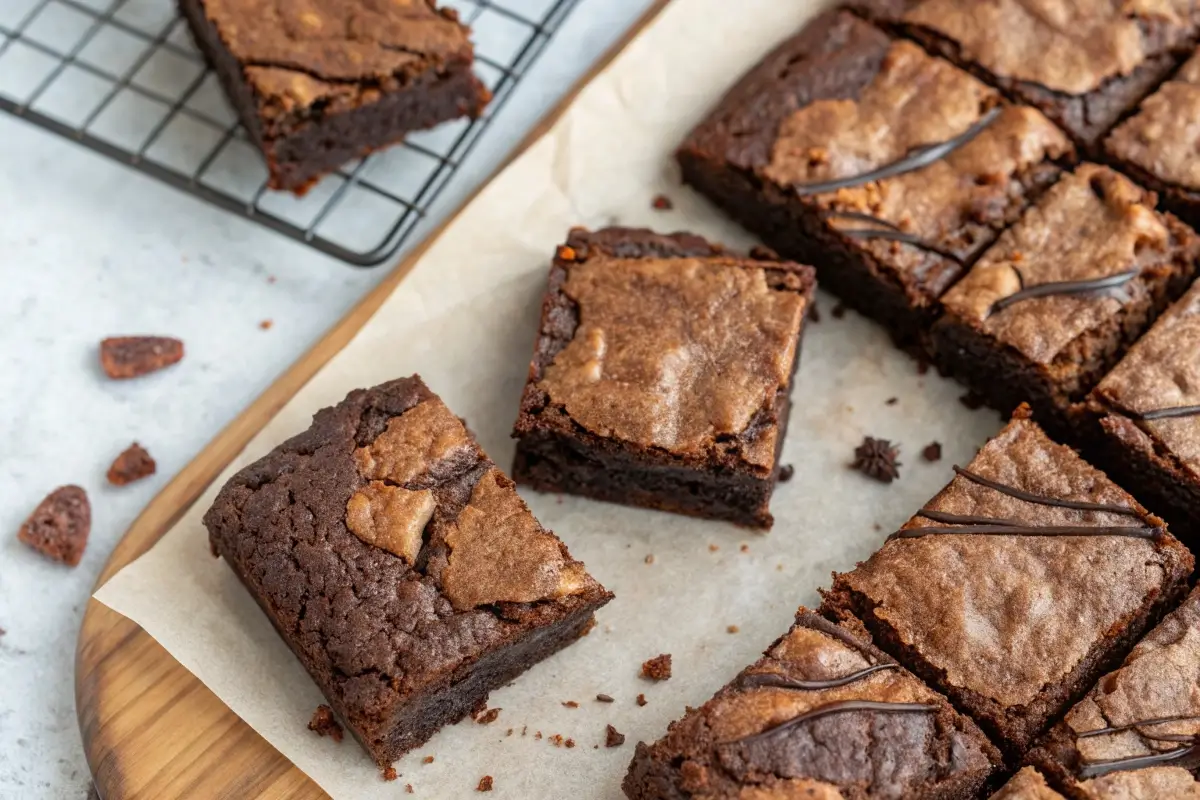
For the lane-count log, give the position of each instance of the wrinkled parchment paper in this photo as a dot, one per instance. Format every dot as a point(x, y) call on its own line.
point(465, 320)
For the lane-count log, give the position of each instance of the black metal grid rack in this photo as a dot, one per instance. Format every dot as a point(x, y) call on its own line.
point(123, 78)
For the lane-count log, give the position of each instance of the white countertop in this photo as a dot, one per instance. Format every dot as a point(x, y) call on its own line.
point(89, 249)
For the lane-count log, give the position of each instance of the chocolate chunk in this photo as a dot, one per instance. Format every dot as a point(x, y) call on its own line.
point(131, 356)
point(323, 723)
point(132, 465)
point(612, 738)
point(876, 458)
point(786, 472)
point(657, 668)
point(59, 527)
point(932, 452)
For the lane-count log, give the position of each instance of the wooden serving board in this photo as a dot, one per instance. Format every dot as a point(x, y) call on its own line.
point(151, 729)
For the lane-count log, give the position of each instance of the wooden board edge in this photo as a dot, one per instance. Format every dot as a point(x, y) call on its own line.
point(102, 630)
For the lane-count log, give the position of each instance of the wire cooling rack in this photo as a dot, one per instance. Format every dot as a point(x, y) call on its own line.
point(123, 78)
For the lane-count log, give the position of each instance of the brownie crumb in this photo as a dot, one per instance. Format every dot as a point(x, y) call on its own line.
point(876, 458)
point(613, 738)
point(390, 774)
point(650, 558)
point(972, 400)
point(408, 788)
point(132, 465)
point(570, 704)
point(509, 732)
point(266, 324)
point(569, 743)
point(641, 700)
point(603, 698)
point(932, 452)
point(657, 668)
point(323, 723)
point(663, 203)
point(891, 401)
point(556, 740)
point(485, 784)
point(786, 472)
point(712, 548)
point(537, 735)
point(58, 528)
point(814, 313)
point(732, 629)
point(839, 311)
point(427, 760)
point(488, 717)
point(745, 548)
point(132, 356)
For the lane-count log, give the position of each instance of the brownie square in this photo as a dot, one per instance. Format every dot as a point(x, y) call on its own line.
point(1142, 422)
point(823, 714)
point(1157, 146)
point(1056, 302)
point(662, 373)
point(1084, 65)
point(1146, 713)
point(888, 169)
point(399, 564)
point(323, 82)
point(1017, 585)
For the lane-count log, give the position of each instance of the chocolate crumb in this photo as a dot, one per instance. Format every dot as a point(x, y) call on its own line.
point(650, 558)
point(839, 311)
point(524, 729)
point(266, 324)
point(537, 735)
point(662, 203)
point(556, 740)
point(427, 760)
point(58, 528)
point(488, 717)
point(891, 401)
point(323, 723)
point(509, 732)
point(390, 774)
point(641, 700)
point(814, 313)
point(876, 526)
point(732, 629)
point(125, 357)
point(612, 737)
point(657, 668)
point(972, 400)
point(569, 743)
point(932, 452)
point(570, 704)
point(485, 784)
point(408, 788)
point(603, 698)
point(132, 465)
point(745, 548)
point(712, 548)
point(876, 458)
point(786, 472)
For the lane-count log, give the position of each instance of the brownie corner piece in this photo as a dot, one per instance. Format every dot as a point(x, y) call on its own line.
point(661, 374)
point(319, 84)
point(399, 564)
point(1037, 57)
point(1062, 294)
point(1018, 585)
point(824, 151)
point(822, 713)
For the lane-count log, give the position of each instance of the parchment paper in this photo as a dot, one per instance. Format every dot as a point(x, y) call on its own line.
point(465, 320)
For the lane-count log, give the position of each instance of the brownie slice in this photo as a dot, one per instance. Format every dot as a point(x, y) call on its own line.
point(1157, 146)
point(1142, 419)
point(1084, 65)
point(661, 374)
point(1018, 584)
point(323, 82)
point(1054, 304)
point(1146, 713)
point(888, 169)
point(399, 564)
point(824, 714)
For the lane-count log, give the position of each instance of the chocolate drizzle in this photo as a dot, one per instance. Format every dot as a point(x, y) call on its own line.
point(1063, 288)
point(891, 233)
point(1029, 497)
point(1165, 413)
point(917, 158)
point(1094, 769)
point(1141, 723)
point(996, 526)
point(774, 680)
point(839, 707)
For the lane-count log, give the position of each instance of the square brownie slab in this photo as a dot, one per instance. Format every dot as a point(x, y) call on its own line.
point(1146, 713)
point(661, 374)
point(323, 82)
point(1056, 302)
point(1142, 420)
point(1157, 145)
point(824, 714)
point(888, 169)
point(399, 564)
point(1083, 64)
point(1017, 585)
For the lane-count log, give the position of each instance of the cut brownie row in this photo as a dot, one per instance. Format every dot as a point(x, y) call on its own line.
point(1010, 593)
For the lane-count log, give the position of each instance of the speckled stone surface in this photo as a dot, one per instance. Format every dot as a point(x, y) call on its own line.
point(88, 249)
